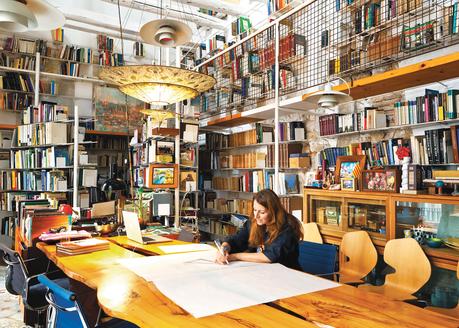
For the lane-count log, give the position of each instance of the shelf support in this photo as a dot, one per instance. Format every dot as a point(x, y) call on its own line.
point(36, 92)
point(276, 109)
point(75, 156)
point(177, 144)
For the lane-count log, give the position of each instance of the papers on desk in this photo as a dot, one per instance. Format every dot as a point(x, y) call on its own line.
point(185, 248)
point(202, 287)
point(82, 246)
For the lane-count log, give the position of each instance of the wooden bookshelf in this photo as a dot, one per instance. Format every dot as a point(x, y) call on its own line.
point(108, 133)
point(428, 71)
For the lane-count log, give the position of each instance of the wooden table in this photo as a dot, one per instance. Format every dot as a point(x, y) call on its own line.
point(124, 295)
point(150, 249)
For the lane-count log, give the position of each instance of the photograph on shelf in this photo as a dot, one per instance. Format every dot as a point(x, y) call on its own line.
point(165, 151)
point(163, 176)
point(291, 183)
point(349, 167)
point(188, 180)
point(386, 180)
point(348, 184)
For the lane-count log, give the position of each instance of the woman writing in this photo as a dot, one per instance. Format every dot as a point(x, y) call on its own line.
point(270, 236)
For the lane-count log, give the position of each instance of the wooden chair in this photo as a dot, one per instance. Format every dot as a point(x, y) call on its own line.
point(311, 233)
point(412, 270)
point(454, 312)
point(357, 257)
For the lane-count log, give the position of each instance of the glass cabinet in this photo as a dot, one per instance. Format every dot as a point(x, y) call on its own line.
point(366, 215)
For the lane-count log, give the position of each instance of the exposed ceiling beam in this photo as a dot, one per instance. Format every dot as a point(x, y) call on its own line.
point(174, 11)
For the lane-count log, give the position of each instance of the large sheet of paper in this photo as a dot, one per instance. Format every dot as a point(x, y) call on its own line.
point(202, 287)
point(185, 248)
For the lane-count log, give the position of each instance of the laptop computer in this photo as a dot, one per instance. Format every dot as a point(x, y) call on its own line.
point(131, 223)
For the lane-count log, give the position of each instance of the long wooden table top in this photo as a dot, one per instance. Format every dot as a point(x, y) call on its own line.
point(150, 249)
point(124, 295)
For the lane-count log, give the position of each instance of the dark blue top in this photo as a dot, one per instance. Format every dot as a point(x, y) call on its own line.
point(283, 249)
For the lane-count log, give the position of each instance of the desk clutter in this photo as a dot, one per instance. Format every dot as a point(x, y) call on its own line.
point(82, 246)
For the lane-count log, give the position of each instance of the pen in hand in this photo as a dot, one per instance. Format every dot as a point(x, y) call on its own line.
point(220, 249)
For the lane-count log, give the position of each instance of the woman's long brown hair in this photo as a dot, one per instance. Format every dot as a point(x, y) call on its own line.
point(268, 199)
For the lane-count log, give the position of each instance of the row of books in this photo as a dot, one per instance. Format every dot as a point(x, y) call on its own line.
point(275, 5)
point(246, 160)
point(285, 151)
point(58, 34)
point(34, 180)
point(368, 119)
point(70, 69)
point(75, 53)
point(254, 181)
point(36, 158)
point(224, 205)
point(45, 112)
point(138, 49)
point(438, 146)
point(240, 25)
point(107, 58)
point(106, 142)
point(12, 101)
point(433, 106)
point(104, 43)
point(21, 45)
point(23, 62)
point(222, 229)
point(9, 201)
point(41, 134)
point(7, 226)
point(49, 87)
point(16, 81)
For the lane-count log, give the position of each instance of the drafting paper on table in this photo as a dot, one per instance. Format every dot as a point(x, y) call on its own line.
point(185, 248)
point(240, 284)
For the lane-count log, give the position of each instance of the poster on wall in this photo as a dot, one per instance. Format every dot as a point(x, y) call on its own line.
point(110, 110)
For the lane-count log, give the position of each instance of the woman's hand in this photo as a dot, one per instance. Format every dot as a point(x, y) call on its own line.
point(223, 258)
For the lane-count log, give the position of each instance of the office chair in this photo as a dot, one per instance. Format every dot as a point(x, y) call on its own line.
point(64, 310)
point(19, 281)
point(317, 259)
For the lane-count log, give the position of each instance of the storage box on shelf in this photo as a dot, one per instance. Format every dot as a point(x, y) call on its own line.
point(384, 216)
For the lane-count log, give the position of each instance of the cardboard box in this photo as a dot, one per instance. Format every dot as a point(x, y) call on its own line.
point(299, 160)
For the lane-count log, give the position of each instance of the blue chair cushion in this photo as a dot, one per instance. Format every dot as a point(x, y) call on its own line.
point(117, 323)
point(37, 292)
point(318, 259)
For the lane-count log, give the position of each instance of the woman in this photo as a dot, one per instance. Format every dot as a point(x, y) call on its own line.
point(270, 236)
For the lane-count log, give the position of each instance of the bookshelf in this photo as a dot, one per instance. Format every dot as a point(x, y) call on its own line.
point(44, 154)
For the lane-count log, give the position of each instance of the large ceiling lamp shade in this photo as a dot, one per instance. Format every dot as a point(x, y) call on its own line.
point(156, 84)
point(30, 15)
point(16, 17)
point(166, 33)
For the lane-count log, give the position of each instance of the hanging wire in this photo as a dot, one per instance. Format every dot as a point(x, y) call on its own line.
point(131, 176)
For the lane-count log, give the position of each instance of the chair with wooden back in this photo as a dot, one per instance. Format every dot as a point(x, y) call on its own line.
point(454, 312)
point(357, 257)
point(311, 233)
point(412, 270)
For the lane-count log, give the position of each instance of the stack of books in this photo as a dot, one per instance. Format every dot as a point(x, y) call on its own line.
point(82, 246)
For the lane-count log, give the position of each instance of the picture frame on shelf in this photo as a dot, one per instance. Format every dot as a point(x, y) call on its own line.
point(381, 180)
point(165, 151)
point(348, 184)
point(349, 167)
point(163, 176)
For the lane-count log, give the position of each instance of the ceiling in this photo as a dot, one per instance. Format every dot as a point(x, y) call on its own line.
point(97, 14)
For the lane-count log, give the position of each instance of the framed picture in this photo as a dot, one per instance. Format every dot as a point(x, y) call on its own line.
point(163, 176)
point(348, 184)
point(165, 151)
point(349, 167)
point(387, 180)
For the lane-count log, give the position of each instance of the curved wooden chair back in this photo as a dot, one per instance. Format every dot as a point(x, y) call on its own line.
point(412, 267)
point(311, 233)
point(357, 254)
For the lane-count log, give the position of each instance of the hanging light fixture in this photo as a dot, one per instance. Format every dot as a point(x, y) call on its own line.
point(156, 84)
point(165, 32)
point(29, 15)
point(159, 85)
point(328, 97)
